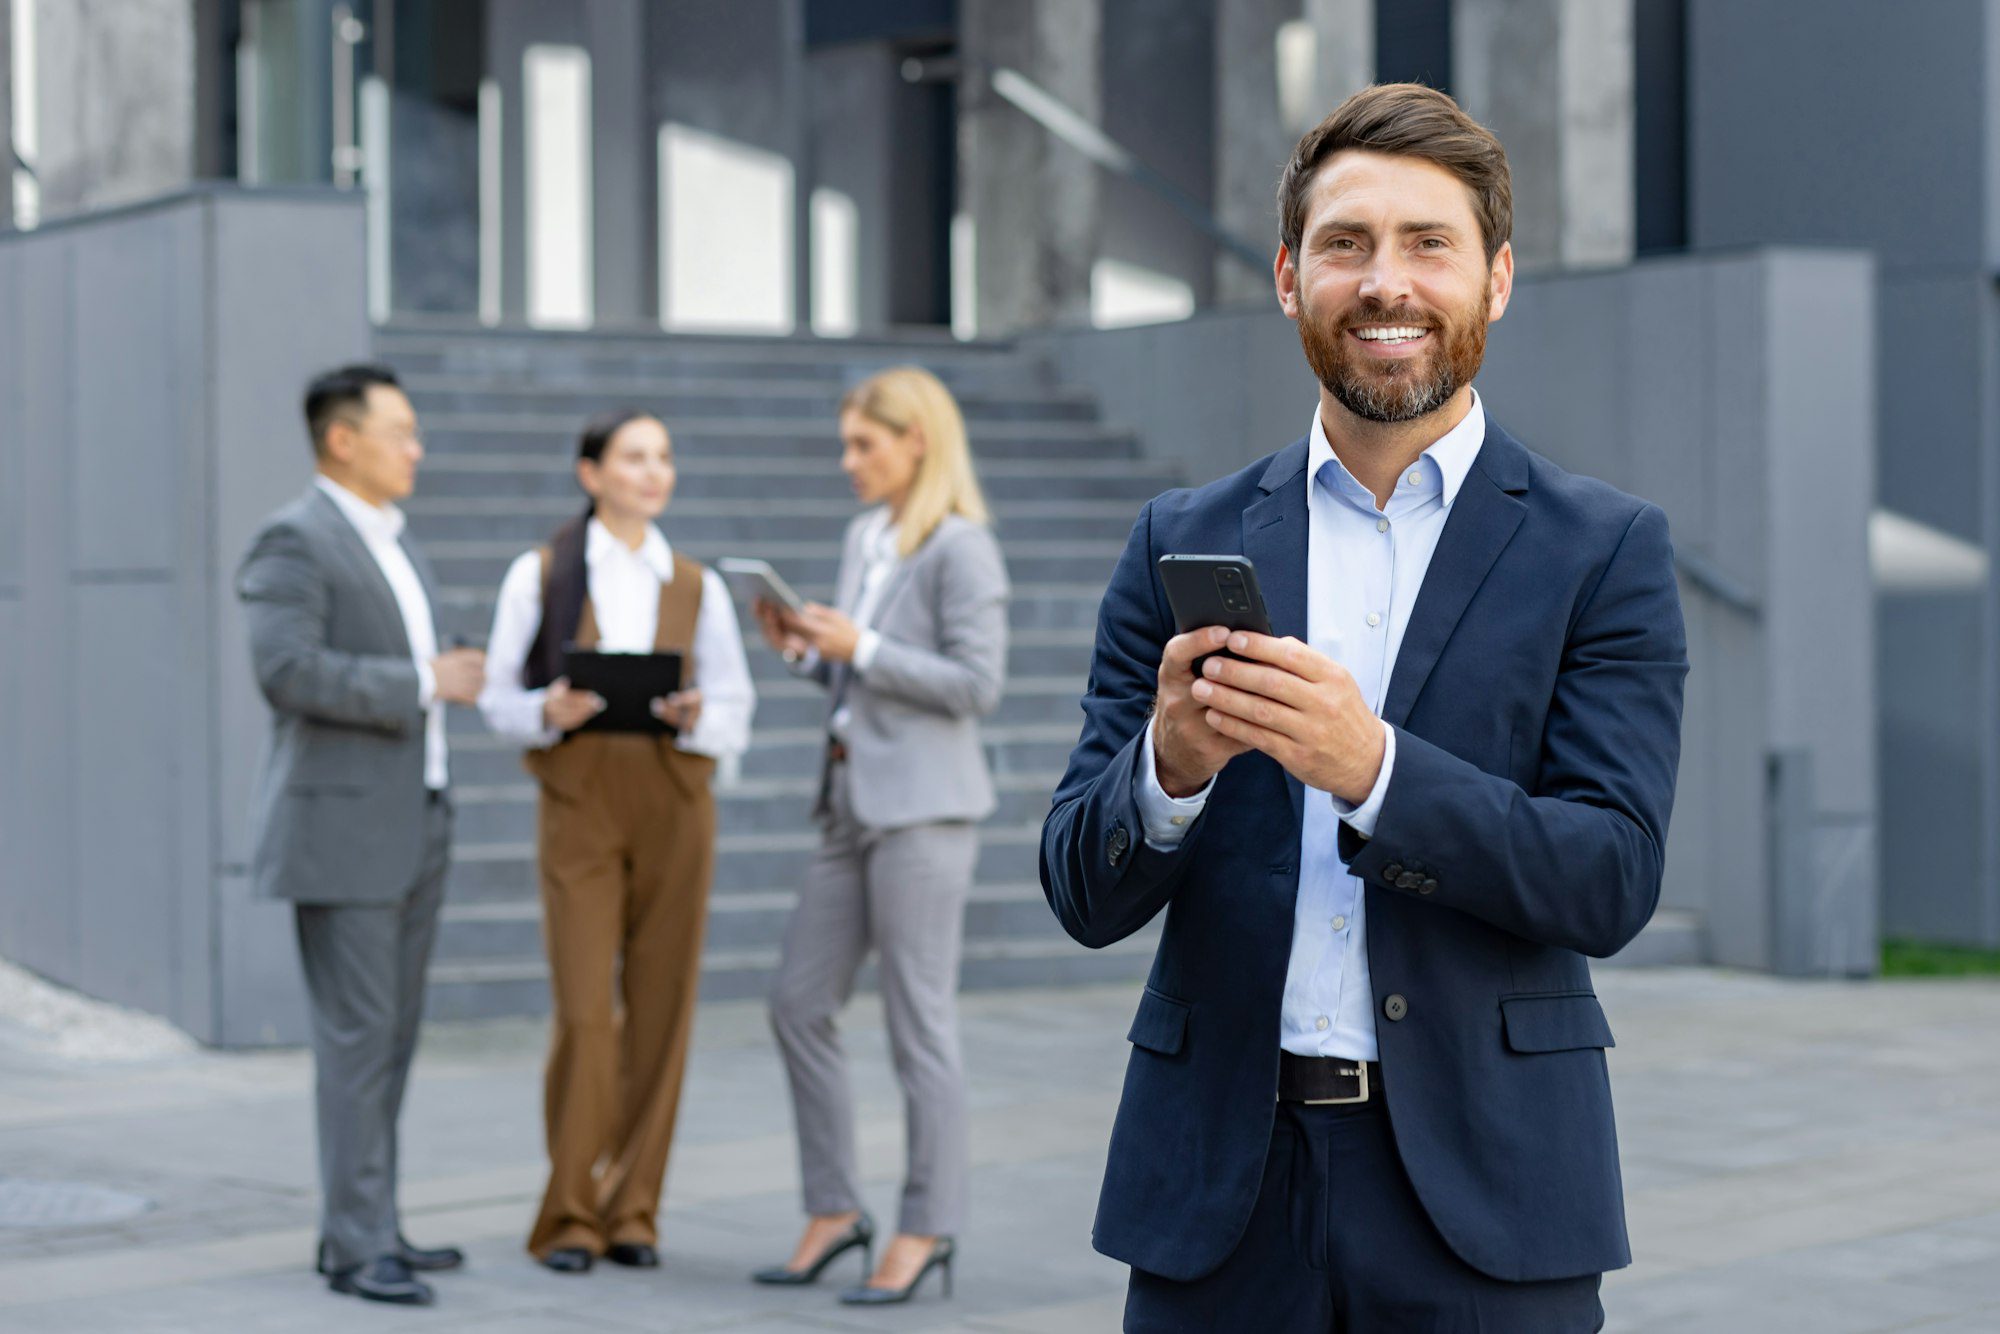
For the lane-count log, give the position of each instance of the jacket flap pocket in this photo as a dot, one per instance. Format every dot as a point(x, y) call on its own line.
point(1160, 1025)
point(1555, 1023)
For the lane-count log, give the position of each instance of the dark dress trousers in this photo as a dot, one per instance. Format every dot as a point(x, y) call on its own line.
point(1537, 702)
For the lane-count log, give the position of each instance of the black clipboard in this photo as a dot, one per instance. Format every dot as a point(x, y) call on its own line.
point(628, 684)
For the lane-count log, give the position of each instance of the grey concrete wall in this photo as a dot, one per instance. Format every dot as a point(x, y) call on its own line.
point(1035, 205)
point(1158, 93)
point(150, 366)
point(116, 95)
point(1881, 135)
point(1736, 392)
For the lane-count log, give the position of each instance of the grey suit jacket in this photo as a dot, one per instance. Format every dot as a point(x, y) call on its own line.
point(913, 738)
point(341, 807)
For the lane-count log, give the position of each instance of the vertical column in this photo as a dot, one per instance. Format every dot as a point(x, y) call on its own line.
point(115, 101)
point(1554, 79)
point(6, 113)
point(1280, 67)
point(624, 182)
point(1032, 204)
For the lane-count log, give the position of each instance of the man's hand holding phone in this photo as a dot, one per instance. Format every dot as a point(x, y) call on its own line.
point(1290, 701)
point(1187, 751)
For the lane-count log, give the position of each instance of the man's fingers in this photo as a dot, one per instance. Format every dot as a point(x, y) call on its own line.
point(1258, 710)
point(1248, 733)
point(1298, 658)
point(1256, 678)
point(1182, 650)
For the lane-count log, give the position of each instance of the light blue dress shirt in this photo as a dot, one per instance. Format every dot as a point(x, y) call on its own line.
point(1364, 569)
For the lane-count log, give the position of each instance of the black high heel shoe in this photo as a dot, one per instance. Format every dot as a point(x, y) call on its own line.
point(940, 1259)
point(859, 1233)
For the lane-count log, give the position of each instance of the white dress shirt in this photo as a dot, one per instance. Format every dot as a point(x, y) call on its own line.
point(879, 560)
point(381, 529)
point(1364, 569)
point(625, 595)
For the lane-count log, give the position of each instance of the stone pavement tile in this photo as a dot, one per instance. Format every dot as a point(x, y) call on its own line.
point(1762, 1298)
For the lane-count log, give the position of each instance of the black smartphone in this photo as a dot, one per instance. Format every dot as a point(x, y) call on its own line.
point(1213, 590)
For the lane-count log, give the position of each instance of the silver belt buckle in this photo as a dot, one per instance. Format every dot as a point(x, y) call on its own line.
point(1360, 1069)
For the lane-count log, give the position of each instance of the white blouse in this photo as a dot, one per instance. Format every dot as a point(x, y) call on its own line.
point(625, 595)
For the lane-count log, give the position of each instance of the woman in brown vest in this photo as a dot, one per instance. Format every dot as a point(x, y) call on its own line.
point(626, 832)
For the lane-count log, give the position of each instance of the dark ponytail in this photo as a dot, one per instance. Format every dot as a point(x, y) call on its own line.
point(568, 578)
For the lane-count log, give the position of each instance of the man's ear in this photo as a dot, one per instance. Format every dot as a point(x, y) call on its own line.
point(1501, 276)
point(1285, 277)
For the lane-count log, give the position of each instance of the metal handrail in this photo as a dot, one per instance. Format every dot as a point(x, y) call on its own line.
point(1071, 127)
point(1718, 583)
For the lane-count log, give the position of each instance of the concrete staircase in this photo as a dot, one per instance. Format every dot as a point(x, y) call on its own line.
point(753, 428)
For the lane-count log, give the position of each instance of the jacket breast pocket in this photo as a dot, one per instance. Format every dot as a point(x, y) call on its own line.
point(1161, 1024)
point(1554, 1021)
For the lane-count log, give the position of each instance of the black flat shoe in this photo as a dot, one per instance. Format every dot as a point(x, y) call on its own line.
point(569, 1260)
point(428, 1260)
point(633, 1255)
point(940, 1260)
point(860, 1233)
point(383, 1279)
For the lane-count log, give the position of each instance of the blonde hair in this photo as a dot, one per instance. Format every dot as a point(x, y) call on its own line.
point(906, 398)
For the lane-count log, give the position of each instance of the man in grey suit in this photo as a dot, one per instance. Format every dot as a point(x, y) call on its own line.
point(354, 817)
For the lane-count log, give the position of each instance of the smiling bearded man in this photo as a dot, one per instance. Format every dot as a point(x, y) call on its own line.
point(1367, 1087)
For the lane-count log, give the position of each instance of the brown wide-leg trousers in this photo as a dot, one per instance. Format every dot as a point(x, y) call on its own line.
point(627, 832)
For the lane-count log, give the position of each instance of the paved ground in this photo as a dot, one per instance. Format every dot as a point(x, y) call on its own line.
point(1818, 1157)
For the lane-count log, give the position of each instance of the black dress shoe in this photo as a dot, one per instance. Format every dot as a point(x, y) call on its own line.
point(569, 1260)
point(428, 1261)
point(940, 1259)
point(383, 1279)
point(633, 1255)
point(416, 1257)
point(860, 1233)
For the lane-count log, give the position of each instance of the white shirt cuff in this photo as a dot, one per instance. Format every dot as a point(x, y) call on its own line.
point(865, 650)
point(1361, 819)
point(427, 685)
point(1166, 819)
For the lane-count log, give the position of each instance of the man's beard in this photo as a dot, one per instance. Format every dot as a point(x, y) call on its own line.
point(1399, 390)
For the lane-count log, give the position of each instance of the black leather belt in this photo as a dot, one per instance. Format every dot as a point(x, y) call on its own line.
point(836, 751)
point(1326, 1079)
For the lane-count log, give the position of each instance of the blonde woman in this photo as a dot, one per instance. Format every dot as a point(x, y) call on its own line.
point(912, 656)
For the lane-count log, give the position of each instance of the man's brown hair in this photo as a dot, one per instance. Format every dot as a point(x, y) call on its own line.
point(1404, 120)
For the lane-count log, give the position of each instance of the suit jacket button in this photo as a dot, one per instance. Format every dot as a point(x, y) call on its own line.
point(1392, 873)
point(1429, 886)
point(1408, 880)
point(1116, 845)
point(1395, 1008)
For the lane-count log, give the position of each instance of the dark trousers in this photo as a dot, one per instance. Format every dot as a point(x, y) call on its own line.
point(364, 966)
point(1338, 1242)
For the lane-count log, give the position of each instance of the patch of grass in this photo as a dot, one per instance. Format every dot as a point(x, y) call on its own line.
point(1914, 958)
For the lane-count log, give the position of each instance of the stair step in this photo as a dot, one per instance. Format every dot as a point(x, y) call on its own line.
point(753, 421)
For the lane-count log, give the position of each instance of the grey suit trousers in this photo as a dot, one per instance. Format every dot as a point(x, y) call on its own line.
point(903, 892)
point(364, 967)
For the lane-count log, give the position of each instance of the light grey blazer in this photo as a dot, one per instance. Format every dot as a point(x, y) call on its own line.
point(341, 807)
point(913, 746)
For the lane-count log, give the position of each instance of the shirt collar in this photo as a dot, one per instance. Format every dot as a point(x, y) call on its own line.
point(376, 523)
point(1451, 455)
point(601, 544)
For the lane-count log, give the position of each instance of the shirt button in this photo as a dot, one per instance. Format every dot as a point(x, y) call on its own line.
point(1321, 1023)
point(1180, 819)
point(1340, 923)
point(1374, 618)
point(1381, 525)
point(1414, 478)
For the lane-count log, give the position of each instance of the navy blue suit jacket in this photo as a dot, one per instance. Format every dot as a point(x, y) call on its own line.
point(1537, 697)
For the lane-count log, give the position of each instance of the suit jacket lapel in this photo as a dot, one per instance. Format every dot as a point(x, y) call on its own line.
point(1482, 521)
point(363, 568)
point(1276, 532)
